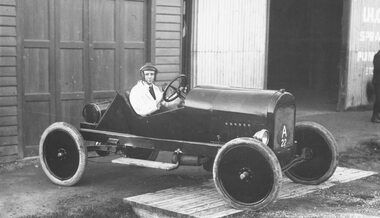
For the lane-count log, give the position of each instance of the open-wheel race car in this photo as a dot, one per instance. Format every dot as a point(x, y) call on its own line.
point(248, 138)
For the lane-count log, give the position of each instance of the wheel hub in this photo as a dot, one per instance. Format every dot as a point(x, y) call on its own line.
point(62, 154)
point(245, 174)
point(307, 153)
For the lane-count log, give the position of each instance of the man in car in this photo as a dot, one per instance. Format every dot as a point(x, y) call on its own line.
point(145, 96)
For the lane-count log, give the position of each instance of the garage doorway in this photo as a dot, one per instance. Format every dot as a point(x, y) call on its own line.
point(304, 50)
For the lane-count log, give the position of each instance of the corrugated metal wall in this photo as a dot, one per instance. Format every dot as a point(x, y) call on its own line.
point(230, 43)
point(363, 44)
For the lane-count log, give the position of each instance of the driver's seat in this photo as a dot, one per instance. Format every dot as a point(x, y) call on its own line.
point(128, 102)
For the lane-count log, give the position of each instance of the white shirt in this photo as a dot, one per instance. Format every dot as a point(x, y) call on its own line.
point(141, 99)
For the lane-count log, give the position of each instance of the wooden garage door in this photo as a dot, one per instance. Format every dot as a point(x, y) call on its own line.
point(76, 51)
point(117, 44)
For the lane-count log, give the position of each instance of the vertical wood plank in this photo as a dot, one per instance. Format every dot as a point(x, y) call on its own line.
point(20, 67)
point(133, 21)
point(36, 19)
point(118, 39)
point(72, 111)
point(104, 70)
point(71, 20)
point(71, 70)
point(86, 51)
point(38, 119)
point(54, 88)
point(36, 70)
point(135, 41)
point(133, 60)
point(102, 16)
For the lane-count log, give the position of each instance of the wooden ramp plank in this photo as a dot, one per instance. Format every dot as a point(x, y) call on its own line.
point(182, 199)
point(204, 200)
point(170, 193)
point(214, 208)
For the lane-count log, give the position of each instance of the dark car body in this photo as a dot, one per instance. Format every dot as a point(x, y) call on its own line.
point(211, 115)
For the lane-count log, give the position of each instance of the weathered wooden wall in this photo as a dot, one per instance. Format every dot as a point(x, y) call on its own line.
point(8, 82)
point(168, 38)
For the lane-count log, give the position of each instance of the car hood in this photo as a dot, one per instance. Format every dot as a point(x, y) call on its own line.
point(238, 100)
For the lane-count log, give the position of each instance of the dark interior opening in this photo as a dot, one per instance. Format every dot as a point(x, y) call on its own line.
point(304, 50)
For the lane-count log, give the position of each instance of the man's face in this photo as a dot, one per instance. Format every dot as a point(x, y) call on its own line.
point(149, 76)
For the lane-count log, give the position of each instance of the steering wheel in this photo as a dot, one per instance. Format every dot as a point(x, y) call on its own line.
point(175, 89)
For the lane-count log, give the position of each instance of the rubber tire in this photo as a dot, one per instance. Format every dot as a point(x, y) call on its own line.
point(267, 154)
point(79, 144)
point(332, 147)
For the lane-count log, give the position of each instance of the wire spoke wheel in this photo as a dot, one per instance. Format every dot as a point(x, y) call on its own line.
point(321, 153)
point(247, 174)
point(63, 155)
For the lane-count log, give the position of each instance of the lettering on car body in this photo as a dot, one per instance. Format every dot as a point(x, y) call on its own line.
point(284, 137)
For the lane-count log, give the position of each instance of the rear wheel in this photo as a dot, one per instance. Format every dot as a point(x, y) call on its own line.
point(63, 155)
point(321, 149)
point(247, 174)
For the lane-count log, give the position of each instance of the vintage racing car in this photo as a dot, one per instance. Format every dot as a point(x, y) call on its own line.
point(248, 138)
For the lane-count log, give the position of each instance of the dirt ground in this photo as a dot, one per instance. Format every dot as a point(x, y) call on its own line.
point(25, 191)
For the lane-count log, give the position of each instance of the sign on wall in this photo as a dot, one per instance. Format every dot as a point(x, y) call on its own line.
point(364, 42)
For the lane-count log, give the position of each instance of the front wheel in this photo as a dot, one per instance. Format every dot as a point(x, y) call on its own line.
point(247, 174)
point(321, 149)
point(63, 155)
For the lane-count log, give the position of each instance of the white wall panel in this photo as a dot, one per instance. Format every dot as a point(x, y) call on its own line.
point(363, 44)
point(230, 43)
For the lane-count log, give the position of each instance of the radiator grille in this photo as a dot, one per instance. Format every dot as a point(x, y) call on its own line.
point(284, 121)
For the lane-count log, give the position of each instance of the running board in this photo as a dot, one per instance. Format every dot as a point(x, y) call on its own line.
point(146, 163)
